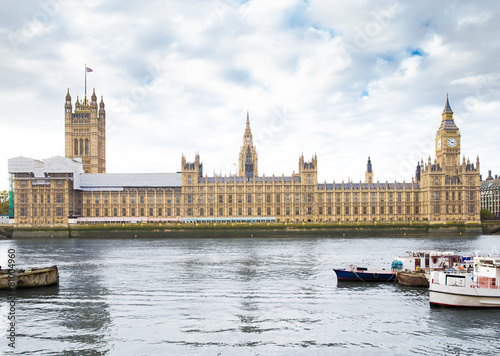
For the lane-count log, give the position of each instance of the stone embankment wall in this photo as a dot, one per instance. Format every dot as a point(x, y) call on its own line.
point(246, 230)
point(491, 226)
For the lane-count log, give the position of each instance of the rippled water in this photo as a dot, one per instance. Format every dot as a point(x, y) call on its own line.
point(236, 296)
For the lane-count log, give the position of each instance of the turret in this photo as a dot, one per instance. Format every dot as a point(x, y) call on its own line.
point(369, 172)
point(191, 170)
point(308, 170)
point(102, 111)
point(101, 105)
point(94, 98)
point(311, 165)
point(93, 104)
point(199, 165)
point(67, 105)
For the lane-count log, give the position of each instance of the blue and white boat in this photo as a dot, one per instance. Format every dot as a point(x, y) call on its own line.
point(362, 274)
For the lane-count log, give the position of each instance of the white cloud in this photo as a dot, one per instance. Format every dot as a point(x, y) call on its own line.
point(345, 80)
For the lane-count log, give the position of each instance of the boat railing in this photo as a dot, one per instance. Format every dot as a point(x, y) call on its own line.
point(485, 283)
point(459, 269)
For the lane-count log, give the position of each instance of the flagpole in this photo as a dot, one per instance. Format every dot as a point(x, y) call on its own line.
point(85, 80)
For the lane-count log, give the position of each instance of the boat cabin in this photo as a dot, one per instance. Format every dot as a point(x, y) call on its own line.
point(426, 260)
point(487, 272)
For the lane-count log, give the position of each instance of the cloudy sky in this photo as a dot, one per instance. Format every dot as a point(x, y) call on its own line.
point(341, 79)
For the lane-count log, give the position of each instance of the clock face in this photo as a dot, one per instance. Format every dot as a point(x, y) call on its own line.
point(439, 144)
point(452, 142)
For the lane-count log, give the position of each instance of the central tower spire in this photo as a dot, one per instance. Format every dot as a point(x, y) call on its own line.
point(248, 154)
point(247, 137)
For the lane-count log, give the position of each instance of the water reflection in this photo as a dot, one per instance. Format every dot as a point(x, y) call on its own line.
point(30, 294)
point(85, 316)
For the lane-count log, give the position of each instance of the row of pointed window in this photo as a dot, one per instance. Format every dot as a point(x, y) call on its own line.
point(83, 145)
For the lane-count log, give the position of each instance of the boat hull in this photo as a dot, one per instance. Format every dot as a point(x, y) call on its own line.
point(413, 279)
point(29, 278)
point(463, 297)
point(365, 276)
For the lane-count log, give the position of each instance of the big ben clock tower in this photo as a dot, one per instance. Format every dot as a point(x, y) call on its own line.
point(448, 143)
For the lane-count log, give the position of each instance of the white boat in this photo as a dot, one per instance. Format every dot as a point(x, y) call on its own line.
point(477, 287)
point(427, 260)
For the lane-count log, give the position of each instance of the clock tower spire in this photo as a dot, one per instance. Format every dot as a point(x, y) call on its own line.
point(448, 142)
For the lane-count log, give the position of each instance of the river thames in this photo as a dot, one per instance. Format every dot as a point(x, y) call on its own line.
point(236, 296)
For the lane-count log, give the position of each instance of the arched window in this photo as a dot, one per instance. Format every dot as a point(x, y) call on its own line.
point(81, 147)
point(76, 147)
point(86, 147)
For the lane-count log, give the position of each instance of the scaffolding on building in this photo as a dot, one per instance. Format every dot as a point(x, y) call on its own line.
point(11, 196)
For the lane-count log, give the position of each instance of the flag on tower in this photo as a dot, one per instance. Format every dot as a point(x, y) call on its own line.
point(89, 70)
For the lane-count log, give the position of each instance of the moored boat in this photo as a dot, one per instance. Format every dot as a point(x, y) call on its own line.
point(29, 277)
point(354, 273)
point(414, 269)
point(461, 288)
point(414, 279)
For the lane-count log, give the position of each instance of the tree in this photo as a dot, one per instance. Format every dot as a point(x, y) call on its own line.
point(486, 214)
point(4, 202)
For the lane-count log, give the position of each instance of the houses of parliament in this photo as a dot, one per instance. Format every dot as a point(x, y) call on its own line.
point(77, 189)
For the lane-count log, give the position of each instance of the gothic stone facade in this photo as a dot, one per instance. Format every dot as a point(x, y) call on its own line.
point(44, 192)
point(53, 191)
point(85, 133)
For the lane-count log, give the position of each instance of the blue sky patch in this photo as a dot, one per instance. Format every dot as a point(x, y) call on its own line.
point(417, 52)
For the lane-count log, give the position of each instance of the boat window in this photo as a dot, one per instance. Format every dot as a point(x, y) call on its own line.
point(457, 281)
